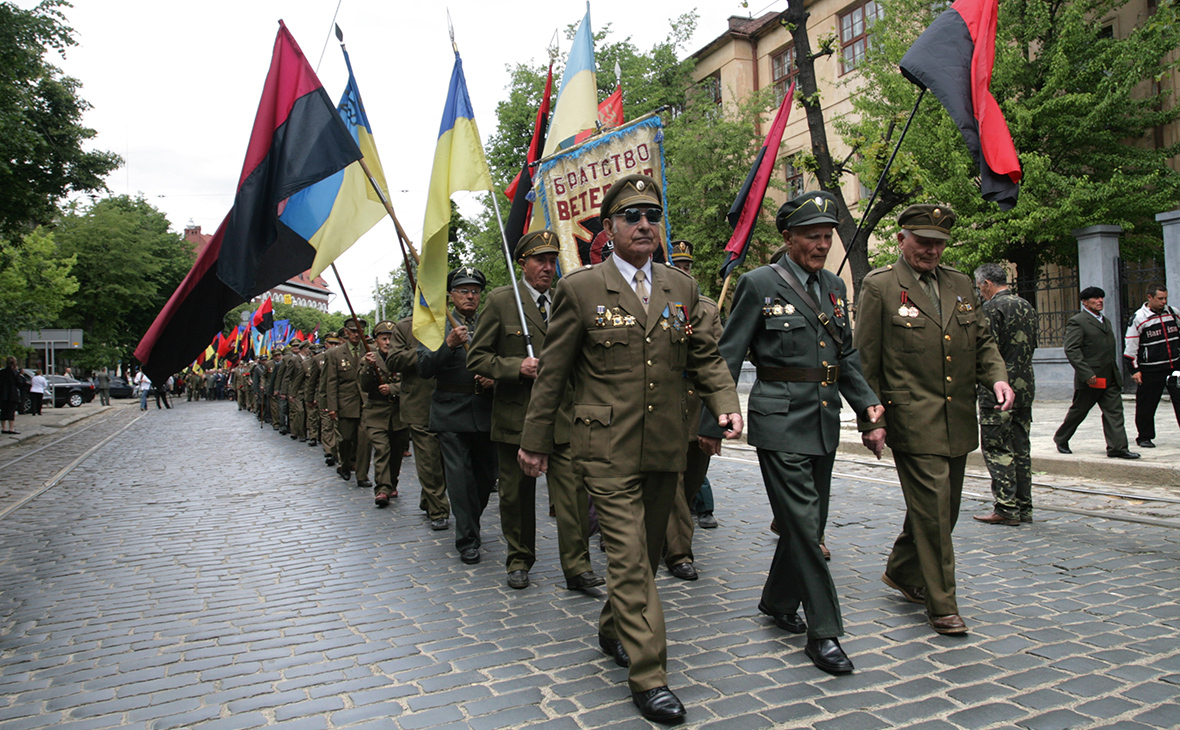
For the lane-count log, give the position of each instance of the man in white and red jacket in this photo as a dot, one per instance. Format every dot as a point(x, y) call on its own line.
point(1153, 354)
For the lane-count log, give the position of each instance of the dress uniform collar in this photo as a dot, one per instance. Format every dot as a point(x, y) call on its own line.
point(908, 278)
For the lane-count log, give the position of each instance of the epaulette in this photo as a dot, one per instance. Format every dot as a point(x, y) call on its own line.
point(579, 270)
point(681, 272)
point(879, 270)
point(710, 300)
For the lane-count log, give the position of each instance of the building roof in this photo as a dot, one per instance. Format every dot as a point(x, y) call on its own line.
point(740, 27)
point(192, 234)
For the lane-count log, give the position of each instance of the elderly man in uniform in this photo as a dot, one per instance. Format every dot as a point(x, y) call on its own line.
point(296, 415)
point(461, 413)
point(1004, 434)
point(792, 317)
point(258, 377)
point(273, 383)
point(924, 346)
point(311, 383)
point(328, 432)
point(382, 417)
point(416, 395)
point(625, 332)
point(678, 555)
point(498, 352)
point(343, 393)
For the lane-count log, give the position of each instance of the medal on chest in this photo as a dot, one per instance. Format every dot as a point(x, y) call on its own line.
point(906, 309)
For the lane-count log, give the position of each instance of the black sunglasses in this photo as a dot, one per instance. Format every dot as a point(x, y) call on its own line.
point(632, 215)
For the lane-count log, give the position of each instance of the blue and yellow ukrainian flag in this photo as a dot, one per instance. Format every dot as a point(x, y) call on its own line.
point(459, 164)
point(335, 212)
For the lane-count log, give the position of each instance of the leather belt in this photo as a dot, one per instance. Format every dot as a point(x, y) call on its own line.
point(468, 388)
point(829, 374)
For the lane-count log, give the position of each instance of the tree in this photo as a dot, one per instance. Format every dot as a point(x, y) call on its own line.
point(41, 132)
point(35, 285)
point(1082, 107)
point(128, 265)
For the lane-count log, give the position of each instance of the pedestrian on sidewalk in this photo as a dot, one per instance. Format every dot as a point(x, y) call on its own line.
point(1004, 435)
point(1153, 354)
point(144, 383)
point(10, 395)
point(37, 389)
point(924, 347)
point(1092, 350)
point(102, 381)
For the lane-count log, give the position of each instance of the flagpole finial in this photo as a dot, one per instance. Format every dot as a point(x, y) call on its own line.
point(451, 32)
point(339, 33)
point(554, 47)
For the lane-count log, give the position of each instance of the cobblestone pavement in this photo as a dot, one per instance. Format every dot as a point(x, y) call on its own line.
point(198, 572)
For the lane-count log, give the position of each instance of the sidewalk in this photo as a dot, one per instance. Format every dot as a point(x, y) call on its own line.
point(53, 420)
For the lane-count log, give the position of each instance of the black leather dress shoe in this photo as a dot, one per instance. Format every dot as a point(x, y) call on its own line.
point(518, 579)
point(440, 523)
point(313, 442)
point(614, 648)
point(828, 656)
point(344, 473)
point(684, 571)
point(589, 579)
point(659, 705)
point(706, 521)
point(1122, 454)
point(469, 556)
point(364, 483)
point(785, 621)
point(1145, 443)
point(1064, 449)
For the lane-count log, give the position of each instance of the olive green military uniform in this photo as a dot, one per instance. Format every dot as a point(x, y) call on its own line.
point(296, 413)
point(382, 420)
point(274, 371)
point(627, 366)
point(925, 368)
point(416, 394)
point(497, 353)
point(1093, 351)
point(327, 423)
point(343, 395)
point(680, 528)
point(1005, 434)
point(311, 383)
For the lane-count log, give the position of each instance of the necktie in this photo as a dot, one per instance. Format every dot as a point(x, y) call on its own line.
point(470, 322)
point(813, 287)
point(641, 288)
point(542, 304)
point(930, 286)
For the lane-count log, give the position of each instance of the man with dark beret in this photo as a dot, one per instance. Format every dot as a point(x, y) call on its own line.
point(498, 352)
point(924, 347)
point(1091, 346)
point(792, 317)
point(625, 332)
point(461, 413)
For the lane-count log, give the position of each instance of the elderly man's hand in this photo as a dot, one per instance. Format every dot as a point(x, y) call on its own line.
point(1005, 396)
point(874, 441)
point(533, 464)
point(731, 424)
point(709, 445)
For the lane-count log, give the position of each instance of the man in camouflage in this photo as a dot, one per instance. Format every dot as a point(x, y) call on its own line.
point(1004, 434)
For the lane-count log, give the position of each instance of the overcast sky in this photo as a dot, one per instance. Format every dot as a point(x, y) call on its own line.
point(175, 86)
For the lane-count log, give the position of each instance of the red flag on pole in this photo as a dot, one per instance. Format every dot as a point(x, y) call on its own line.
point(521, 213)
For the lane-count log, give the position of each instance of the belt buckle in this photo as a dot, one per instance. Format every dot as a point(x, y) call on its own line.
point(832, 373)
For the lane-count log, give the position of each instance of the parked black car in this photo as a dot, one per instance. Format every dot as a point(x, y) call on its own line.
point(67, 391)
point(26, 401)
point(120, 388)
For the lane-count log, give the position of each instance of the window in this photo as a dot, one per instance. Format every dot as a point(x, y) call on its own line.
point(783, 69)
point(794, 177)
point(854, 28)
point(712, 87)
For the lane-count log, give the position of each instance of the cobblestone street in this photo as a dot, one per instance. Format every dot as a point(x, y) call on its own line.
point(197, 571)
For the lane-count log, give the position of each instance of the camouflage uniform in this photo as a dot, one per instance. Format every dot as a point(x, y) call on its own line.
point(1004, 435)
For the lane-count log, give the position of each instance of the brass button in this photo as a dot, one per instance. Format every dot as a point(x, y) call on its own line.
point(651, 386)
point(907, 324)
point(649, 339)
point(690, 391)
point(948, 397)
point(825, 363)
point(649, 363)
point(825, 403)
point(948, 358)
point(822, 343)
point(947, 338)
point(586, 421)
point(823, 384)
point(948, 378)
point(607, 343)
point(786, 324)
point(650, 409)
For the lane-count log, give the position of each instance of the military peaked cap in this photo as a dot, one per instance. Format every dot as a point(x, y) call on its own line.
point(630, 191)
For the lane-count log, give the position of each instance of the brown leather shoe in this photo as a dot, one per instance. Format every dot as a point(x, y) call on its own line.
point(995, 518)
point(949, 624)
point(913, 594)
point(824, 549)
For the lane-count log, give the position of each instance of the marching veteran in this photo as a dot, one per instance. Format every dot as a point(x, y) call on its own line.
point(343, 393)
point(924, 346)
point(625, 333)
point(498, 352)
point(381, 414)
point(792, 317)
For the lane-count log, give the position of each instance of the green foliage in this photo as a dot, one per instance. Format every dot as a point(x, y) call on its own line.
point(1081, 107)
point(709, 151)
point(35, 285)
point(41, 132)
point(128, 265)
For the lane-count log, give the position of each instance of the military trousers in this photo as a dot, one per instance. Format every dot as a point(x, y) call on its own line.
point(518, 511)
point(298, 419)
point(389, 438)
point(428, 463)
point(678, 548)
point(799, 487)
point(312, 414)
point(1147, 399)
point(923, 554)
point(1004, 438)
point(1110, 401)
point(469, 461)
point(275, 419)
point(633, 517)
point(364, 452)
point(284, 413)
point(328, 435)
point(241, 399)
point(347, 430)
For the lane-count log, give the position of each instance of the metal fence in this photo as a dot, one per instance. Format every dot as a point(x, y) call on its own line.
point(1056, 302)
point(1134, 278)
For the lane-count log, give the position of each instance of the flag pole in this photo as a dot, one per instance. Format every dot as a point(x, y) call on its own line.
point(350, 309)
point(524, 325)
point(724, 289)
point(880, 182)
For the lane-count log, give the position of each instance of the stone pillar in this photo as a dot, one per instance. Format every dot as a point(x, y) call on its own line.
point(1098, 253)
point(1171, 223)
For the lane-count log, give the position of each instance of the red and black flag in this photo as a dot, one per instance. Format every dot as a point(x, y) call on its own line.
point(748, 205)
point(521, 213)
point(298, 139)
point(264, 316)
point(954, 58)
